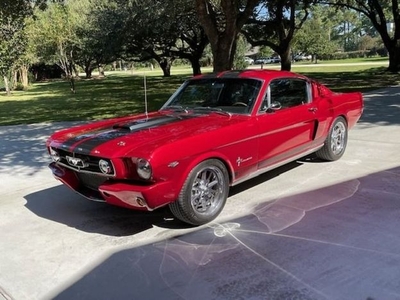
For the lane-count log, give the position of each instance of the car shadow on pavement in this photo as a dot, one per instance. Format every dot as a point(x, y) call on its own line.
point(62, 205)
point(336, 242)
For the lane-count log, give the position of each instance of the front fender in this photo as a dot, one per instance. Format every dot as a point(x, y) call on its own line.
point(178, 171)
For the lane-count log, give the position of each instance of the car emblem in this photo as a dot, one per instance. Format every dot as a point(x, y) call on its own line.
point(240, 160)
point(76, 162)
point(173, 164)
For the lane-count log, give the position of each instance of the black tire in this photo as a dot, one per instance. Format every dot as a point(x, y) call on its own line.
point(336, 141)
point(204, 193)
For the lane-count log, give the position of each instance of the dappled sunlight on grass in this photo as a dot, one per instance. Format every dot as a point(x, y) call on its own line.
point(362, 80)
point(122, 93)
point(114, 95)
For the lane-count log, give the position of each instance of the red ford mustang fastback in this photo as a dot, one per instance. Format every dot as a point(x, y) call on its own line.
point(214, 132)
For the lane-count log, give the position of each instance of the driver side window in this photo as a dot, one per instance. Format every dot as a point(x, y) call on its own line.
point(287, 92)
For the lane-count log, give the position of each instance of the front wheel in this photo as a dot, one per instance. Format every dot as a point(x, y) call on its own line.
point(203, 194)
point(336, 142)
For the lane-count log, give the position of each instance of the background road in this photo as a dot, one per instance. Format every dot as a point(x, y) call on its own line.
point(320, 64)
point(308, 230)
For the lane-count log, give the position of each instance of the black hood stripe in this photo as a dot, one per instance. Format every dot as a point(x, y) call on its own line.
point(85, 143)
point(145, 123)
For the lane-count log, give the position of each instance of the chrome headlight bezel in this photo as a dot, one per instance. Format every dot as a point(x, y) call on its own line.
point(143, 168)
point(55, 156)
point(106, 167)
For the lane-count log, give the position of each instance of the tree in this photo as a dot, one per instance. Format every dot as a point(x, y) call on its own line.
point(381, 14)
point(12, 38)
point(275, 25)
point(22, 63)
point(367, 42)
point(54, 36)
point(314, 38)
point(241, 47)
point(191, 38)
point(318, 34)
point(346, 25)
point(16, 55)
point(147, 33)
point(97, 39)
point(155, 31)
point(222, 21)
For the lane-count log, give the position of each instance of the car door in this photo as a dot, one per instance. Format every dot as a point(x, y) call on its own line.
point(286, 121)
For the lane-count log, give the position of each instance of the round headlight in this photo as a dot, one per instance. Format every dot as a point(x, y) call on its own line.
point(54, 155)
point(105, 166)
point(143, 168)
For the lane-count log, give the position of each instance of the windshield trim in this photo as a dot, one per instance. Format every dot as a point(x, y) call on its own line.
point(253, 85)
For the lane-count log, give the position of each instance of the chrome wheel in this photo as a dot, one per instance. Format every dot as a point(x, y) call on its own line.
point(336, 141)
point(208, 190)
point(204, 193)
point(338, 138)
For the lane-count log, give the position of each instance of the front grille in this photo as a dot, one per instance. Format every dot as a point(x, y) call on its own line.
point(91, 181)
point(91, 162)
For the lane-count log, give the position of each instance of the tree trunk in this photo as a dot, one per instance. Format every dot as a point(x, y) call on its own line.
point(165, 65)
point(286, 61)
point(222, 32)
point(6, 85)
point(72, 84)
point(67, 66)
point(71, 78)
point(24, 76)
point(101, 71)
point(195, 62)
point(223, 53)
point(394, 57)
point(88, 72)
point(15, 79)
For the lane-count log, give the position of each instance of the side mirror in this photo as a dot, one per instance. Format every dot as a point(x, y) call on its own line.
point(275, 105)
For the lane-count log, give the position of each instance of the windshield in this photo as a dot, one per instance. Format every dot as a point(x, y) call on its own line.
point(233, 95)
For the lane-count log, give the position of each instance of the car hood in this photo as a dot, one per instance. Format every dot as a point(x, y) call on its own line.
point(144, 133)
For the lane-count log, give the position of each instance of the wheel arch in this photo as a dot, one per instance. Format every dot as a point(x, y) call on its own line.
point(208, 156)
point(344, 116)
point(333, 118)
point(332, 142)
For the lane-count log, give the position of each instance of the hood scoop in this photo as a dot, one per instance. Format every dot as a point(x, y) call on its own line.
point(145, 123)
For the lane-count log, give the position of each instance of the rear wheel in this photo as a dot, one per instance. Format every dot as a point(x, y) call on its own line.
point(336, 142)
point(203, 194)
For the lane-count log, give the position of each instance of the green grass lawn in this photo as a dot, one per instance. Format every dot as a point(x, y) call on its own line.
point(122, 93)
point(373, 60)
point(360, 78)
point(115, 95)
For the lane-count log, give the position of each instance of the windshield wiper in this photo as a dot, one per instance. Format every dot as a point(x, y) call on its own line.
point(213, 109)
point(177, 108)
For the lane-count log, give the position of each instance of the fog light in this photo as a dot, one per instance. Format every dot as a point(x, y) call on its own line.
point(140, 201)
point(105, 166)
point(54, 155)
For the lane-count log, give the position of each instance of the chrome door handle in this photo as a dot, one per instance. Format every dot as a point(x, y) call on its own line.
point(313, 109)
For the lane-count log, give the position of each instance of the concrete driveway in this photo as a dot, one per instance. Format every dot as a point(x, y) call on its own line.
point(308, 230)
